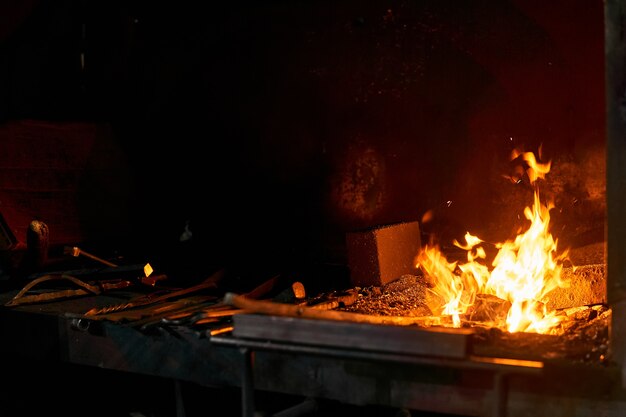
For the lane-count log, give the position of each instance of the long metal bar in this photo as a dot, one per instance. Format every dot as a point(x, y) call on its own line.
point(500, 390)
point(178, 396)
point(615, 66)
point(477, 363)
point(247, 383)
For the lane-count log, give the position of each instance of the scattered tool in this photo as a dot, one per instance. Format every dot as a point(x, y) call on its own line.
point(147, 278)
point(76, 252)
point(335, 300)
point(210, 282)
point(141, 314)
point(225, 329)
point(290, 310)
point(202, 314)
point(86, 288)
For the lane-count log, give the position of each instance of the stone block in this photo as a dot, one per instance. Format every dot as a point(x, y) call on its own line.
point(383, 254)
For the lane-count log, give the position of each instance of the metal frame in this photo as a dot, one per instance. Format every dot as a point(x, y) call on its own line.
point(500, 368)
point(615, 60)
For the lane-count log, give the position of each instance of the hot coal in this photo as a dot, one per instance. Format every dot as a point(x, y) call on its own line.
point(583, 334)
point(488, 308)
point(405, 296)
point(585, 340)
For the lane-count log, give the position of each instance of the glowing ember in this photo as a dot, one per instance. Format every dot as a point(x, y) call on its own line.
point(524, 270)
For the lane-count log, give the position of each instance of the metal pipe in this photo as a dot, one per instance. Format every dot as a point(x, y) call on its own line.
point(504, 365)
point(75, 251)
point(500, 388)
point(615, 87)
point(247, 383)
point(180, 403)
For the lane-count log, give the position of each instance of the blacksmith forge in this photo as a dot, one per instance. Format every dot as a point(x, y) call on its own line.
point(176, 183)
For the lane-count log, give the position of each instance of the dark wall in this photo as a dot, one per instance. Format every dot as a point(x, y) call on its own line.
point(274, 127)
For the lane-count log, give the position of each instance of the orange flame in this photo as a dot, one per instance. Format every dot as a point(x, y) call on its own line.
point(524, 270)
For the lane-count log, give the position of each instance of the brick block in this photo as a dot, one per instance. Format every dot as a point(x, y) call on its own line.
point(381, 255)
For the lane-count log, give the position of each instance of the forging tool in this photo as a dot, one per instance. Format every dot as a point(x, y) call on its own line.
point(85, 288)
point(147, 279)
point(213, 313)
point(210, 282)
point(75, 251)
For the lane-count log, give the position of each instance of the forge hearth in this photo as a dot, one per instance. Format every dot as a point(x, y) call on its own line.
point(584, 339)
point(583, 333)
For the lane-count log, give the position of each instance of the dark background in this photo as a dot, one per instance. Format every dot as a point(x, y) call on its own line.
point(273, 128)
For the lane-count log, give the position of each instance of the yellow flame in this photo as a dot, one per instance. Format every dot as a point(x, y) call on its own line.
point(525, 269)
point(449, 293)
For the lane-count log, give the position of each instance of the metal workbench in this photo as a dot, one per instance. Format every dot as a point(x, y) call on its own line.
point(57, 332)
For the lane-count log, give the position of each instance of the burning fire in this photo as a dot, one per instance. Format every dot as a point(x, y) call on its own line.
point(523, 272)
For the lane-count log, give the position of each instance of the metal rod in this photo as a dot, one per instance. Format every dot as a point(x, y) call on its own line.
point(505, 365)
point(500, 388)
point(180, 404)
point(76, 251)
point(615, 87)
point(247, 383)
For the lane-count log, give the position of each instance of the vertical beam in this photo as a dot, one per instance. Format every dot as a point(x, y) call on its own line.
point(180, 402)
point(247, 383)
point(500, 393)
point(615, 65)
